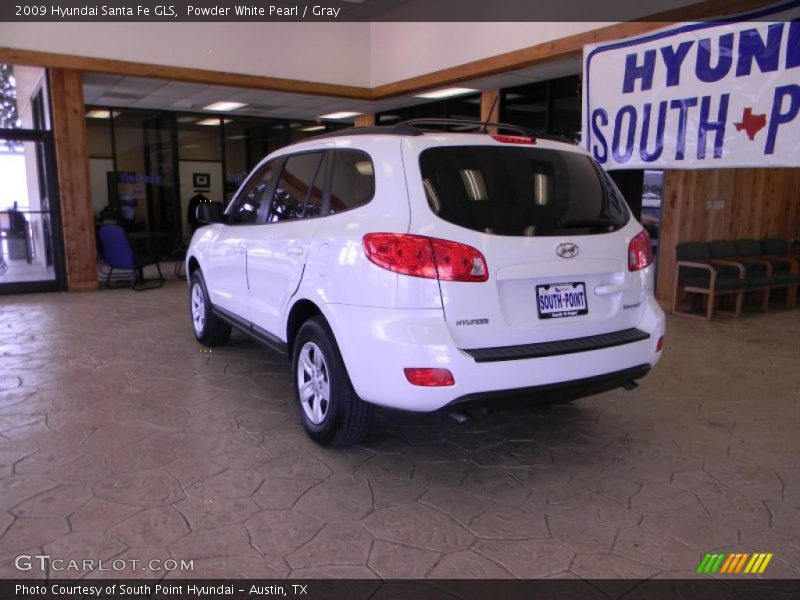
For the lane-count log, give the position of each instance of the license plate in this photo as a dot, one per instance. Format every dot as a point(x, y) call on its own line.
point(557, 300)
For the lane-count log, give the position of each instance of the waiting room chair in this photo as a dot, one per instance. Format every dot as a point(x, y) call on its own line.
point(779, 253)
point(697, 273)
point(783, 270)
point(117, 252)
point(757, 272)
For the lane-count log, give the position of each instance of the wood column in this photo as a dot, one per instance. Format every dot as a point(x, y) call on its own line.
point(490, 98)
point(365, 120)
point(72, 157)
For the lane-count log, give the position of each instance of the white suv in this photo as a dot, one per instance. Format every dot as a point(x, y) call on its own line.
point(420, 269)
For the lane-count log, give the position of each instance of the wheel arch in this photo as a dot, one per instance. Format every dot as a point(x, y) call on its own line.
point(301, 311)
point(192, 265)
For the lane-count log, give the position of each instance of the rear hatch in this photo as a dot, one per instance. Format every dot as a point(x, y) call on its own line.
point(552, 227)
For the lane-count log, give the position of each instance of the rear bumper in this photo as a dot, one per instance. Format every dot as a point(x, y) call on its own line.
point(560, 347)
point(377, 344)
point(567, 390)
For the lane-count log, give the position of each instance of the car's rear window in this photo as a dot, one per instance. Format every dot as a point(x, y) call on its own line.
point(520, 191)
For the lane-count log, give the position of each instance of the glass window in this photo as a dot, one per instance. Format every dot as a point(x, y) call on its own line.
point(23, 98)
point(98, 130)
point(353, 182)
point(245, 209)
point(552, 107)
point(142, 193)
point(520, 191)
point(101, 157)
point(462, 107)
point(299, 191)
point(199, 138)
point(652, 193)
point(239, 157)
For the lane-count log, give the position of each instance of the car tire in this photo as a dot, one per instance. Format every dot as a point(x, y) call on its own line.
point(208, 328)
point(329, 409)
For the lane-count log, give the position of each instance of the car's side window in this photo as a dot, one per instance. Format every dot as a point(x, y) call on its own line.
point(353, 181)
point(299, 191)
point(246, 207)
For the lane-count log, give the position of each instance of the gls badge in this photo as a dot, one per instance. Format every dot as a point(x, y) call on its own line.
point(567, 250)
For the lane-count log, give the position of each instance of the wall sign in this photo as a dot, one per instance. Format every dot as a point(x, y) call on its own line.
point(201, 180)
point(698, 95)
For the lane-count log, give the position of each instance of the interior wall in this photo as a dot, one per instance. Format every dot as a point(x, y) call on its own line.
point(320, 52)
point(99, 168)
point(99, 136)
point(404, 50)
point(713, 204)
point(359, 54)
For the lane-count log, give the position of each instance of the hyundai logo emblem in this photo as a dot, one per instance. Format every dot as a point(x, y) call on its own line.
point(567, 250)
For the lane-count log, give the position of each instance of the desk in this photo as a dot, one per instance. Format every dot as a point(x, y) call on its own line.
point(146, 235)
point(146, 240)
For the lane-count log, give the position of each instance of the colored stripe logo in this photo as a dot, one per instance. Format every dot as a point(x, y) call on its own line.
point(734, 563)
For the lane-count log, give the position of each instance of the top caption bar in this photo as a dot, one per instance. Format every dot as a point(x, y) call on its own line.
point(370, 10)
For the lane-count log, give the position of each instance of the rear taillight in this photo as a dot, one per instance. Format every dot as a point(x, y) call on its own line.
point(430, 377)
point(514, 139)
point(421, 256)
point(640, 252)
point(660, 344)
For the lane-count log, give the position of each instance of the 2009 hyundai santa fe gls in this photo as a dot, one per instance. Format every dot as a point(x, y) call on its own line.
point(418, 269)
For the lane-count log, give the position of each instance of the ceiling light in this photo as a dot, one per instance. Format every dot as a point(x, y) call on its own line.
point(339, 115)
point(101, 114)
point(313, 128)
point(446, 93)
point(224, 106)
point(212, 121)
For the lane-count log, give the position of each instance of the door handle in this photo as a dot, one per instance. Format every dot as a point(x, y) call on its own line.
point(608, 290)
point(241, 249)
point(296, 250)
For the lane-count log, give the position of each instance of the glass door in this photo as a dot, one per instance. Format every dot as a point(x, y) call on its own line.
point(31, 246)
point(30, 240)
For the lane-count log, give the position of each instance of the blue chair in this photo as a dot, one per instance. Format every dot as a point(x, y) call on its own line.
point(117, 252)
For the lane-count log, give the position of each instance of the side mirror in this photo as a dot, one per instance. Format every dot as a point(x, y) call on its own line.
point(209, 212)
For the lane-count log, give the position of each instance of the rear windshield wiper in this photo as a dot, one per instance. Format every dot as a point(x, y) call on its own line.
point(600, 222)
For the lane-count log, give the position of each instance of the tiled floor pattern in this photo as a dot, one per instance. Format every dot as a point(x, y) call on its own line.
point(121, 438)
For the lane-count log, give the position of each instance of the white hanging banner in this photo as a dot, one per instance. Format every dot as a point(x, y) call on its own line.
point(698, 95)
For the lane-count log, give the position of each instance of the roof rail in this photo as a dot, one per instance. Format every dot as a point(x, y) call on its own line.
point(416, 127)
point(557, 137)
point(399, 129)
point(481, 125)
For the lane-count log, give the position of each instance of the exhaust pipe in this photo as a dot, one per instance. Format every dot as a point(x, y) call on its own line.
point(460, 416)
point(630, 385)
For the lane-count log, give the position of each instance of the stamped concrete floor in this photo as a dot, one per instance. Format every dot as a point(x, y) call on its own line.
point(120, 437)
